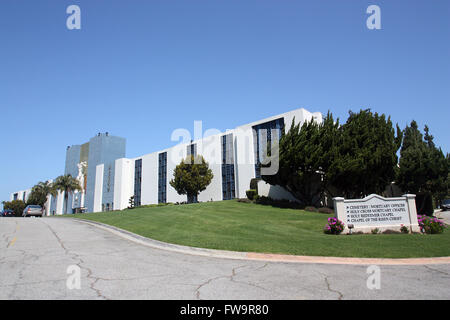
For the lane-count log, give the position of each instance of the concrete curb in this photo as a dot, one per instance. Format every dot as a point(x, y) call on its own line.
point(259, 256)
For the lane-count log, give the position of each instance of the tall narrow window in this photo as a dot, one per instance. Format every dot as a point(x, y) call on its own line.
point(162, 178)
point(262, 139)
point(191, 150)
point(228, 186)
point(137, 181)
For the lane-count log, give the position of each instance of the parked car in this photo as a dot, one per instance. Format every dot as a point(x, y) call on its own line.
point(7, 213)
point(445, 204)
point(32, 210)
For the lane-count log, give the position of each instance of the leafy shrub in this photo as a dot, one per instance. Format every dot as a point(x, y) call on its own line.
point(404, 229)
point(375, 231)
point(430, 225)
point(286, 204)
point(325, 210)
point(390, 231)
point(312, 209)
point(162, 204)
point(251, 194)
point(334, 226)
point(244, 200)
point(16, 205)
point(254, 184)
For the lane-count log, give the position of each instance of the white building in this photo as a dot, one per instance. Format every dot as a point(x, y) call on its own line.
point(20, 195)
point(109, 179)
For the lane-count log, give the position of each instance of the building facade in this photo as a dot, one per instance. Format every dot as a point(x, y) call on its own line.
point(109, 179)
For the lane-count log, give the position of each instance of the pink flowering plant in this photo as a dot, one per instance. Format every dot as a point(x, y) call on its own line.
point(430, 225)
point(334, 226)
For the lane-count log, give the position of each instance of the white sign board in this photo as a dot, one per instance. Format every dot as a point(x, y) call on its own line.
point(375, 211)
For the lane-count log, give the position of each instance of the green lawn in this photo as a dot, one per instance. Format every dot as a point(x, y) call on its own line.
point(231, 225)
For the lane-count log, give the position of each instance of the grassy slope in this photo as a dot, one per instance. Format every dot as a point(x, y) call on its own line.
point(230, 225)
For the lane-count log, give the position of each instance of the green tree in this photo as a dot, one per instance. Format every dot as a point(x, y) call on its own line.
point(414, 158)
point(367, 159)
point(16, 205)
point(68, 185)
point(191, 177)
point(423, 167)
point(438, 169)
point(307, 155)
point(40, 192)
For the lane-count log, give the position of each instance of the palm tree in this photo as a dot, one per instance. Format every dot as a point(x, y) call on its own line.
point(68, 185)
point(42, 190)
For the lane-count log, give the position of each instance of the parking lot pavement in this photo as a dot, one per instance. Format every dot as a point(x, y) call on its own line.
point(36, 255)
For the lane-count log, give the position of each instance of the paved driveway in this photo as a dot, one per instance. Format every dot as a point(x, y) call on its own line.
point(35, 254)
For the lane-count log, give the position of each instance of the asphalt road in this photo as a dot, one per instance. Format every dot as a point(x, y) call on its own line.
point(36, 253)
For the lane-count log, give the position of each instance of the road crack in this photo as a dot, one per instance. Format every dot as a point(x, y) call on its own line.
point(436, 270)
point(80, 264)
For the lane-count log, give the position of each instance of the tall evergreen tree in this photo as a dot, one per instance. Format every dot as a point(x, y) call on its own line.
point(368, 146)
point(423, 167)
point(414, 157)
point(306, 154)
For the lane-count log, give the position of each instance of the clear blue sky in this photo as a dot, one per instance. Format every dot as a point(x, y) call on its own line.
point(140, 69)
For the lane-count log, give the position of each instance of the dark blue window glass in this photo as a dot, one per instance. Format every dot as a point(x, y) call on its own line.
point(191, 150)
point(228, 185)
point(162, 177)
point(262, 138)
point(137, 181)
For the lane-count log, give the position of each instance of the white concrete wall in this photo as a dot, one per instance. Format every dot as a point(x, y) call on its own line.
point(274, 192)
point(123, 186)
point(211, 149)
point(149, 185)
point(244, 162)
point(59, 203)
point(98, 193)
point(21, 195)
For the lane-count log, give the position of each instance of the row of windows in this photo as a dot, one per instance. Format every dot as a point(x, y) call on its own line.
point(228, 185)
point(262, 138)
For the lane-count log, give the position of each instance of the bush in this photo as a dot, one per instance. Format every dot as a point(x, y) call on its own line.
point(251, 194)
point(404, 229)
point(244, 200)
point(312, 209)
point(254, 184)
point(389, 231)
point(16, 205)
point(325, 210)
point(430, 225)
point(285, 204)
point(375, 231)
point(334, 226)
